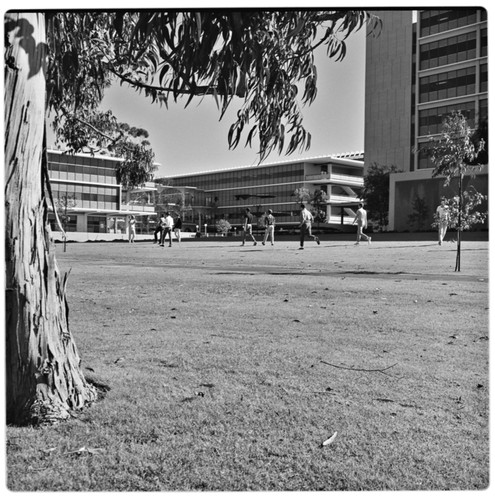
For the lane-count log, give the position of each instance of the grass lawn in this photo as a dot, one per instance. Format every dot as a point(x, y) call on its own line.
point(229, 366)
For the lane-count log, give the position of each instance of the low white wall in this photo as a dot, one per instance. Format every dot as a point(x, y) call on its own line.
point(82, 236)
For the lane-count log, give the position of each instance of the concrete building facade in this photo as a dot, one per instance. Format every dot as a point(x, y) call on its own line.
point(424, 65)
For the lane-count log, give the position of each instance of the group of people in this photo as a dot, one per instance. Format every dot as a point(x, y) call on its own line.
point(269, 223)
point(165, 226)
point(305, 225)
point(306, 220)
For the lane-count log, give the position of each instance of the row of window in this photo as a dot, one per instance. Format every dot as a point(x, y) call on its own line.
point(265, 179)
point(449, 84)
point(81, 169)
point(256, 176)
point(95, 223)
point(286, 213)
point(54, 158)
point(430, 120)
point(252, 197)
point(448, 51)
point(78, 189)
point(102, 198)
point(104, 224)
point(100, 178)
point(437, 21)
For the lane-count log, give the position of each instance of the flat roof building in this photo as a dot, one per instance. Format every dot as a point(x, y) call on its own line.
point(227, 192)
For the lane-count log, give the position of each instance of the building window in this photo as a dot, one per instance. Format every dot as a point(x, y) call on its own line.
point(97, 224)
point(484, 42)
point(483, 77)
point(438, 21)
point(424, 161)
point(483, 112)
point(70, 223)
point(448, 51)
point(430, 120)
point(448, 84)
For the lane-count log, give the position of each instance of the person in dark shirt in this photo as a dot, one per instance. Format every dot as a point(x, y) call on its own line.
point(177, 228)
point(248, 227)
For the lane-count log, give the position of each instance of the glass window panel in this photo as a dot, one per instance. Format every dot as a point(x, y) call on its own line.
point(484, 43)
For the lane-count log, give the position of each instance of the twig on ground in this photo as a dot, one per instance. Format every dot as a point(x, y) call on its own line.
point(380, 370)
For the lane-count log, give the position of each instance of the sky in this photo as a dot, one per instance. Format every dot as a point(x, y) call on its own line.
point(192, 139)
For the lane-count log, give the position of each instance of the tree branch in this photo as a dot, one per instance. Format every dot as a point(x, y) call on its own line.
point(92, 127)
point(199, 91)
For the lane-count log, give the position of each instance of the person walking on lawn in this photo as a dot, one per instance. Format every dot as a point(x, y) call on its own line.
point(167, 229)
point(269, 228)
point(248, 227)
point(177, 228)
point(157, 235)
point(362, 223)
point(132, 229)
point(306, 222)
point(442, 213)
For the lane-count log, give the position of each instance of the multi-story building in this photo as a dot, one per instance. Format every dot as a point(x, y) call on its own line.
point(226, 193)
point(423, 66)
point(91, 204)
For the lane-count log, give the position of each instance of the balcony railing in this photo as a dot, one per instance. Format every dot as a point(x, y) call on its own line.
point(352, 180)
point(334, 198)
point(317, 177)
point(136, 207)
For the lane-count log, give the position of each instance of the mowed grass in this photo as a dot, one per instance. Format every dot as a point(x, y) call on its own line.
point(229, 367)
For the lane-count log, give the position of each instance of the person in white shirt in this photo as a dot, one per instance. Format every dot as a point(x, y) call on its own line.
point(167, 229)
point(132, 229)
point(306, 221)
point(362, 223)
point(269, 227)
point(443, 220)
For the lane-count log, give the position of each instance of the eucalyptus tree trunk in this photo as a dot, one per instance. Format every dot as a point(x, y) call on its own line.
point(43, 373)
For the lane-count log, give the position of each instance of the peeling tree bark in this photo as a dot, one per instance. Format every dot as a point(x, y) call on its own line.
point(44, 377)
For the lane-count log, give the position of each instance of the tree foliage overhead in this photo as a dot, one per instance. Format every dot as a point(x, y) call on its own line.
point(260, 58)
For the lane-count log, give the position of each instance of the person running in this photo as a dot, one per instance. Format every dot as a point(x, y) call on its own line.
point(177, 228)
point(306, 221)
point(167, 229)
point(269, 228)
point(443, 220)
point(362, 223)
point(248, 227)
